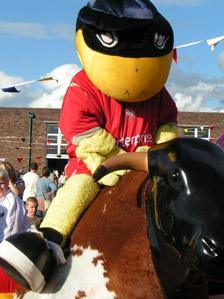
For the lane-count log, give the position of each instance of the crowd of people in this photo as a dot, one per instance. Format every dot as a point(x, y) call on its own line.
point(25, 198)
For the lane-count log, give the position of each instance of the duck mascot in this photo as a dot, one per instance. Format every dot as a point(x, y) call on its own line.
point(116, 104)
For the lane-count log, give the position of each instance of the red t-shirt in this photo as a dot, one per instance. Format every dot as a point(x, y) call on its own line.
point(132, 124)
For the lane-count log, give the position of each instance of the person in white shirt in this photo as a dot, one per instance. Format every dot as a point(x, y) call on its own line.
point(30, 179)
point(13, 218)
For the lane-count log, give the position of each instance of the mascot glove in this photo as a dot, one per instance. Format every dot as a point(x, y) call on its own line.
point(112, 178)
point(93, 150)
point(166, 133)
point(97, 148)
point(101, 143)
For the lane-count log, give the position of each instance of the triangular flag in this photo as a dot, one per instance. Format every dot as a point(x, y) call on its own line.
point(13, 88)
point(211, 127)
point(175, 55)
point(213, 42)
point(19, 159)
point(47, 79)
point(10, 89)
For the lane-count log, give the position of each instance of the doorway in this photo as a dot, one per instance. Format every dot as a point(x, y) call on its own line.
point(57, 164)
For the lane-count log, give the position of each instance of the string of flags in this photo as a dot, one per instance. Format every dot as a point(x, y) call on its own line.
point(14, 88)
point(19, 159)
point(212, 42)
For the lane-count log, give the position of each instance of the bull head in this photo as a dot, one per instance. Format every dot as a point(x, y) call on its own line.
point(186, 205)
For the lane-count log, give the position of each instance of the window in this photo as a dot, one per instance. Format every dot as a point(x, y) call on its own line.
point(200, 132)
point(56, 143)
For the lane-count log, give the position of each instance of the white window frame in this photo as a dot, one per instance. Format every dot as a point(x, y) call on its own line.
point(196, 131)
point(58, 145)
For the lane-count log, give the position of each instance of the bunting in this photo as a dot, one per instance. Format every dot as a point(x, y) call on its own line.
point(19, 159)
point(14, 89)
point(212, 42)
point(175, 55)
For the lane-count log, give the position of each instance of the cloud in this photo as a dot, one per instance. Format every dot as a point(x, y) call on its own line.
point(22, 29)
point(54, 92)
point(36, 30)
point(62, 31)
point(39, 95)
point(193, 92)
point(189, 103)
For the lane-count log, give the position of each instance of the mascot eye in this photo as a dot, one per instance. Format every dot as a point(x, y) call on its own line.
point(108, 39)
point(160, 41)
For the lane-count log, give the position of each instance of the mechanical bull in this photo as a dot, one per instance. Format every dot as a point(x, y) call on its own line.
point(185, 211)
point(175, 250)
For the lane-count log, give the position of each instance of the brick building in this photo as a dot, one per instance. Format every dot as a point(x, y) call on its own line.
point(49, 146)
point(16, 128)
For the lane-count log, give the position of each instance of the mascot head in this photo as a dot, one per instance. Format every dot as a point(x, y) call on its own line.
point(125, 47)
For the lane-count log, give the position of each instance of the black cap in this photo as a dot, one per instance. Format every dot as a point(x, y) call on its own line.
point(118, 14)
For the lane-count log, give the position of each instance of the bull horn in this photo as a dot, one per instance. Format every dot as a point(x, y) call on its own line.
point(139, 161)
point(131, 161)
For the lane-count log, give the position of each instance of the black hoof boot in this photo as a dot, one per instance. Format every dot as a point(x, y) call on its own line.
point(27, 259)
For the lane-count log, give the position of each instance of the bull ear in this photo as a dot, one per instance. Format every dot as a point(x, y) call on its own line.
point(130, 161)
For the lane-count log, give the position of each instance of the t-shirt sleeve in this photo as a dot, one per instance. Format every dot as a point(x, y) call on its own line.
point(81, 112)
point(168, 109)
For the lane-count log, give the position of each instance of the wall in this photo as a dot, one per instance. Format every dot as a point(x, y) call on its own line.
point(14, 135)
point(197, 119)
point(14, 131)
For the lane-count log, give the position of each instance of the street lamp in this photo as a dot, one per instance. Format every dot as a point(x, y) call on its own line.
point(31, 116)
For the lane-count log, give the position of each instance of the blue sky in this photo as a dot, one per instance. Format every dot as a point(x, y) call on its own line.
point(37, 39)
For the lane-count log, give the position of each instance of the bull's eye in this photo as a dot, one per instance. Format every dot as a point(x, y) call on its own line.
point(174, 178)
point(108, 39)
